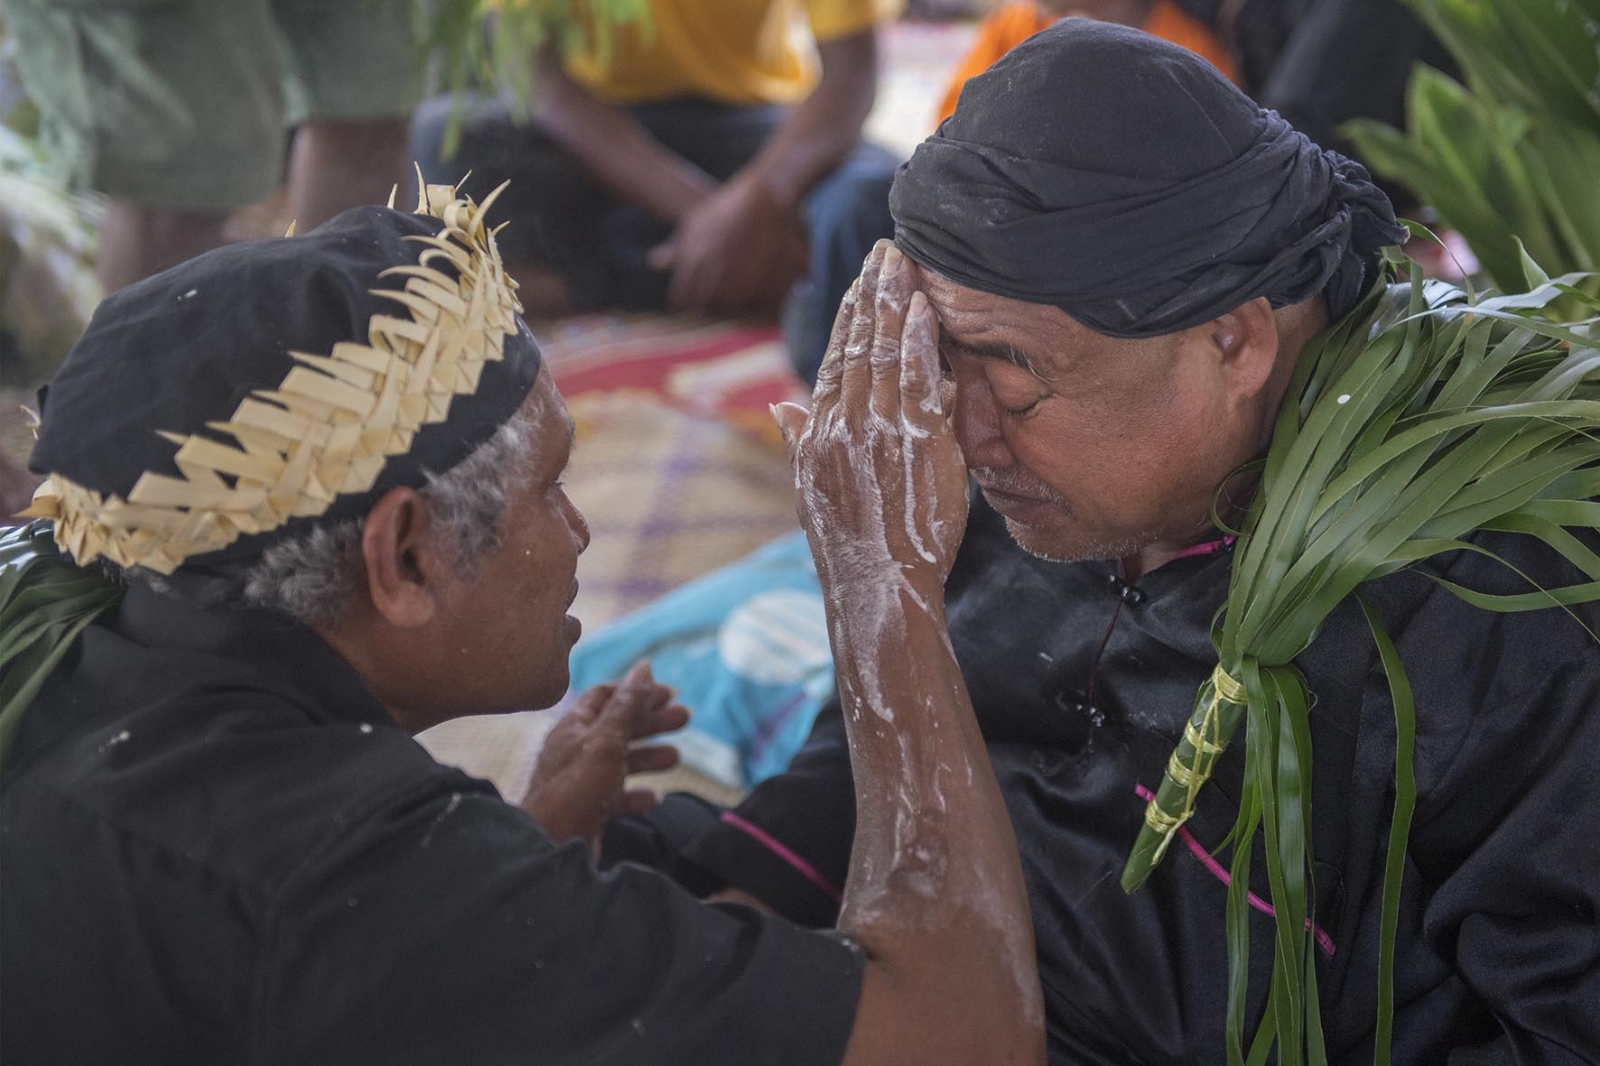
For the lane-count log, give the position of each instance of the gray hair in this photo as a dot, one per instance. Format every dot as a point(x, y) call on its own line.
point(312, 577)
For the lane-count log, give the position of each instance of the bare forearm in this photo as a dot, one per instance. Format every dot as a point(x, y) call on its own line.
point(618, 151)
point(824, 127)
point(935, 894)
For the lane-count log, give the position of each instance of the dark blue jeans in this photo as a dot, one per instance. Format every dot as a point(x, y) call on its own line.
point(561, 219)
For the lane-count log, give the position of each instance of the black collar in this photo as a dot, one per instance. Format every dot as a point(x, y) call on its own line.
point(286, 654)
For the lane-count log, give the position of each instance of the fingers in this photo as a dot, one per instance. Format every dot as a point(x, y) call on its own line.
point(791, 419)
point(634, 699)
point(588, 706)
point(888, 322)
point(830, 372)
point(920, 378)
point(638, 707)
point(639, 676)
point(855, 373)
point(651, 758)
point(664, 719)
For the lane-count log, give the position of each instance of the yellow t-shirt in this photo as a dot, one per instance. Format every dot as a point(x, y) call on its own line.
point(735, 51)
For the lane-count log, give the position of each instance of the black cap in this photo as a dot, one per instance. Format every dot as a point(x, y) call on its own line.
point(434, 352)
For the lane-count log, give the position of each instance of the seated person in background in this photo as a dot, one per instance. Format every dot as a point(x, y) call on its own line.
point(178, 111)
point(1118, 349)
point(1011, 24)
point(220, 842)
point(705, 164)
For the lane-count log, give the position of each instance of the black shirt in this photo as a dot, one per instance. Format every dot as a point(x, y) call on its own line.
point(1083, 683)
point(217, 847)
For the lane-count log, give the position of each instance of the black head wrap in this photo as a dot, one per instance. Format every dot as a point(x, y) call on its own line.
point(1125, 181)
point(180, 350)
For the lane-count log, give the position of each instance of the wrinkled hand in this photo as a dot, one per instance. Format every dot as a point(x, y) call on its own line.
point(739, 251)
point(578, 780)
point(879, 478)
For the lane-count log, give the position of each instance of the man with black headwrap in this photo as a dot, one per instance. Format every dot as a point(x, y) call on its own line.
point(325, 473)
point(1126, 257)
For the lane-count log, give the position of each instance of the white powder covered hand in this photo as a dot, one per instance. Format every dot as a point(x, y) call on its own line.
point(881, 487)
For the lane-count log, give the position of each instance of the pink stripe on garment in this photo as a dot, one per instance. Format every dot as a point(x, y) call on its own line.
point(1210, 547)
point(1324, 941)
point(766, 840)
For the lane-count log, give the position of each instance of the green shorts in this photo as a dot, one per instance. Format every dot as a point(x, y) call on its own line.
point(183, 104)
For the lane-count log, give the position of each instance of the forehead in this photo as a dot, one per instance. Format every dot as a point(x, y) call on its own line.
point(552, 425)
point(976, 323)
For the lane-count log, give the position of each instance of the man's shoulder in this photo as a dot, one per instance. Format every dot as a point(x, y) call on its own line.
point(1452, 597)
point(1488, 687)
point(224, 771)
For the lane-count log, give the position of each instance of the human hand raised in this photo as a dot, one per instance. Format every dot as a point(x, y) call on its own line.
point(579, 777)
point(739, 251)
point(879, 479)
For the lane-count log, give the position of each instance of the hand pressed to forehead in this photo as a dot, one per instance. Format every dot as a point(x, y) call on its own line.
point(879, 477)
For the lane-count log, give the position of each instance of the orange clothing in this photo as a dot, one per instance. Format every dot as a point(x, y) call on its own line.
point(1011, 24)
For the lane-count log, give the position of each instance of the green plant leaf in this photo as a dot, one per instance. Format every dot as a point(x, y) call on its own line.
point(45, 602)
point(1424, 417)
point(1405, 799)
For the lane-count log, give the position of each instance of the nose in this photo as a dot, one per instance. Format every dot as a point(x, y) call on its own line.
point(579, 527)
point(976, 420)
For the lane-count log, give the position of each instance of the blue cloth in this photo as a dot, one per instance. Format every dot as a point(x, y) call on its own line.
point(747, 649)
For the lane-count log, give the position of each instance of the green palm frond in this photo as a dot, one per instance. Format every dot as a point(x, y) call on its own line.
point(495, 45)
point(1423, 417)
point(45, 602)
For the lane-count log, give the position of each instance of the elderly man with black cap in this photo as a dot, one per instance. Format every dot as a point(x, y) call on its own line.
point(311, 494)
point(1126, 256)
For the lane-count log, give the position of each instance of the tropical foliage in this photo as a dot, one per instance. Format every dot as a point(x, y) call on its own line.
point(1513, 155)
point(495, 44)
point(48, 238)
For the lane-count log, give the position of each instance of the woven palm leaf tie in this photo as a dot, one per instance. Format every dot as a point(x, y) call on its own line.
point(1192, 761)
point(328, 428)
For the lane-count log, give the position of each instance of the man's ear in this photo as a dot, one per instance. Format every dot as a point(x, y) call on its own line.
point(1246, 342)
point(404, 570)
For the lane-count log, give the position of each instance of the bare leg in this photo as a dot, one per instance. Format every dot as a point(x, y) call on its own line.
point(136, 241)
point(340, 164)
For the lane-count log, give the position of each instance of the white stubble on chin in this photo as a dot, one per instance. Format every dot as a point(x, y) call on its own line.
point(1039, 543)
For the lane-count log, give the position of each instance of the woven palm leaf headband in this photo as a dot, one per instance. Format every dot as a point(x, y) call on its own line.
point(335, 394)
